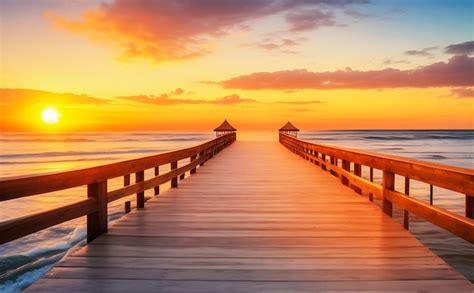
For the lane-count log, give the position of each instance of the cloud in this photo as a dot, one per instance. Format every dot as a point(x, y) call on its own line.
point(463, 92)
point(457, 72)
point(390, 61)
point(466, 48)
point(301, 102)
point(166, 100)
point(163, 30)
point(383, 16)
point(231, 100)
point(307, 20)
point(28, 96)
point(282, 45)
point(426, 52)
point(177, 92)
point(357, 14)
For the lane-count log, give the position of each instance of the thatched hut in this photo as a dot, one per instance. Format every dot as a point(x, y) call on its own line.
point(289, 129)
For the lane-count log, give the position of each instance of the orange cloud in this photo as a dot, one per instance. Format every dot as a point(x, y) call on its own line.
point(177, 30)
point(166, 100)
point(301, 102)
point(466, 92)
point(457, 72)
point(27, 96)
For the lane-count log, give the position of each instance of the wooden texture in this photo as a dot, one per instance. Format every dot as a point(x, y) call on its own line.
point(19, 227)
point(97, 222)
point(470, 206)
point(257, 218)
point(174, 180)
point(140, 177)
point(406, 214)
point(454, 178)
point(157, 173)
point(460, 225)
point(388, 183)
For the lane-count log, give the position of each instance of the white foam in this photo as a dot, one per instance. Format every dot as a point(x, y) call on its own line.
point(24, 280)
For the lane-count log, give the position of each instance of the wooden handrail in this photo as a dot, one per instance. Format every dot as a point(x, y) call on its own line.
point(452, 178)
point(95, 178)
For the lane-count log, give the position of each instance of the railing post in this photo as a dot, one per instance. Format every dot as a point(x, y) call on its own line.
point(201, 154)
point(406, 215)
point(97, 221)
point(316, 154)
point(388, 183)
point(139, 177)
point(174, 180)
point(333, 163)
point(470, 206)
point(193, 158)
point(126, 180)
point(357, 172)
point(346, 165)
point(431, 194)
point(128, 207)
point(323, 157)
point(157, 173)
point(371, 177)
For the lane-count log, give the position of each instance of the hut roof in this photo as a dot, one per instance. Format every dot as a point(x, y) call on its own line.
point(289, 127)
point(225, 126)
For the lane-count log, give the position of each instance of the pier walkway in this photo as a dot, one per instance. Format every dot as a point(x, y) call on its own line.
point(255, 218)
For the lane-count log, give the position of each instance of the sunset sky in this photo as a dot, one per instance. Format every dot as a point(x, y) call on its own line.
point(143, 65)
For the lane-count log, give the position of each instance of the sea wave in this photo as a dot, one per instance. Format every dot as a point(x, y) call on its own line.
point(67, 139)
point(57, 161)
point(78, 153)
point(20, 270)
point(434, 157)
point(419, 137)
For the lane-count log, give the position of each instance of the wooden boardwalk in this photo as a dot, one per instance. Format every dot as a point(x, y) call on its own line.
point(255, 218)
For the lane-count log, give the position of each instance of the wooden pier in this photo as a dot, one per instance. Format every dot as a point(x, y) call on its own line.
point(254, 218)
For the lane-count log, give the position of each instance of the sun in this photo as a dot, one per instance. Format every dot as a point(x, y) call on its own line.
point(50, 116)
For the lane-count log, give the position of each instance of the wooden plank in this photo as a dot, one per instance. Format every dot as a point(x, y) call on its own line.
point(124, 285)
point(315, 242)
point(119, 250)
point(252, 275)
point(254, 263)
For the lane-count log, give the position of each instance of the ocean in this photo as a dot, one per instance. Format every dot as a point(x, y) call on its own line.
point(25, 260)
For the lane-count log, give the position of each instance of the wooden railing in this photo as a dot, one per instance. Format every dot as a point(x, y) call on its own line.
point(338, 161)
point(98, 196)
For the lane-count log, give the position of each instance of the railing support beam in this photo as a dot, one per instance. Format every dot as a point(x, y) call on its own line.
point(193, 170)
point(97, 221)
point(388, 183)
point(139, 177)
point(346, 165)
point(406, 215)
point(357, 172)
point(470, 206)
point(174, 181)
point(157, 173)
